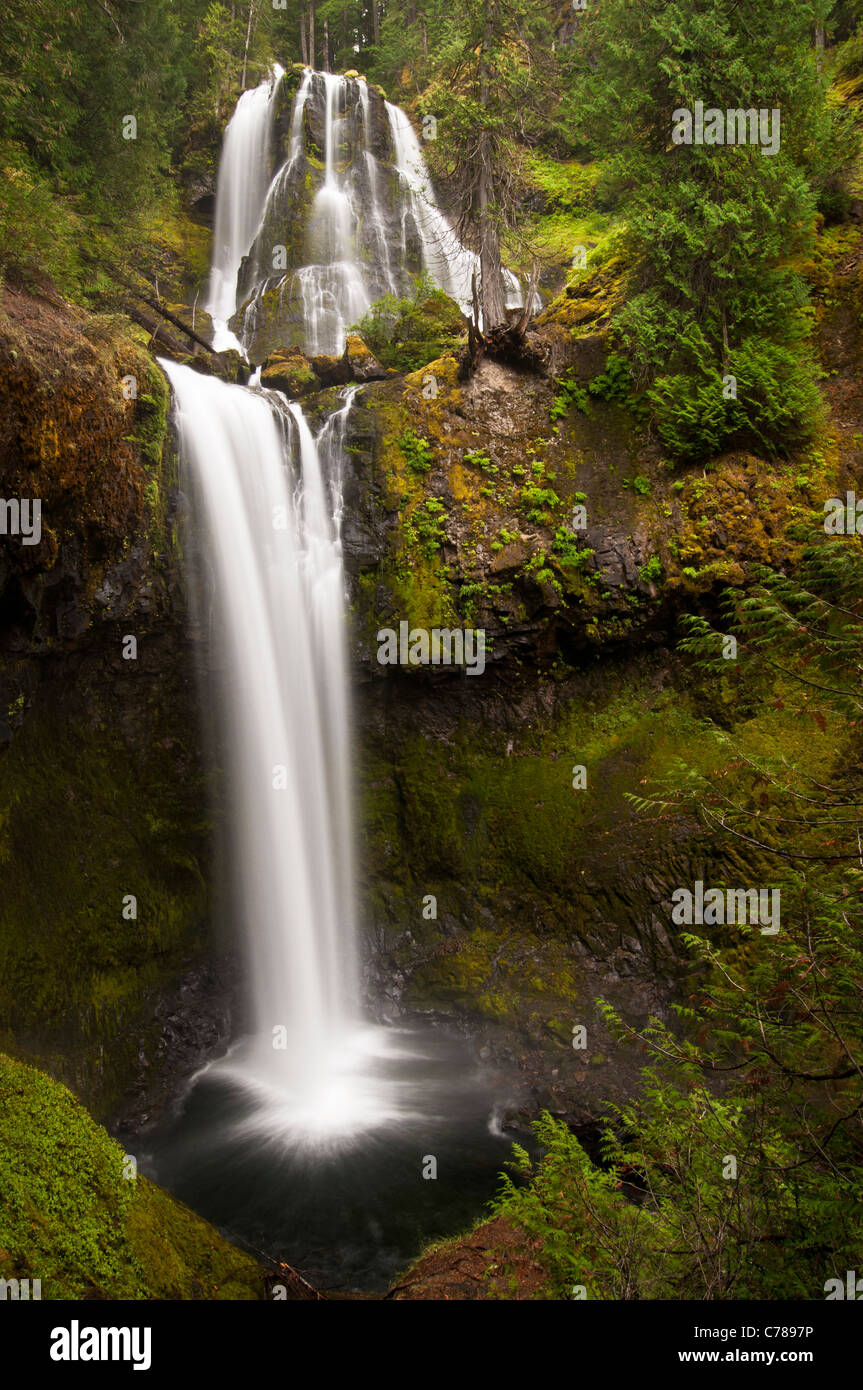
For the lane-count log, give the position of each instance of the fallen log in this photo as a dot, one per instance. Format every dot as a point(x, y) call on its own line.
point(171, 318)
point(157, 330)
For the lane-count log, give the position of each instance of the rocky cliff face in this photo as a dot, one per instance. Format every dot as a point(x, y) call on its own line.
point(505, 892)
point(500, 895)
point(104, 836)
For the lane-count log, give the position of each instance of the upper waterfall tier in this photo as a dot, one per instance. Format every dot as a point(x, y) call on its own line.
point(348, 214)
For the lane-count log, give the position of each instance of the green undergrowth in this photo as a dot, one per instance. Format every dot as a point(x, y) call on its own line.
point(485, 820)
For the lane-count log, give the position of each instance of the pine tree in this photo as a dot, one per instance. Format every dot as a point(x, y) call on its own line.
point(492, 76)
point(713, 227)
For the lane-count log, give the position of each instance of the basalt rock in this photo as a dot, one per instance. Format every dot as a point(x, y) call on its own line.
point(362, 362)
point(102, 804)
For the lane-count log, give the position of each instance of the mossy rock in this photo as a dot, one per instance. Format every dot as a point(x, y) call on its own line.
point(289, 370)
point(74, 1215)
point(364, 366)
point(73, 973)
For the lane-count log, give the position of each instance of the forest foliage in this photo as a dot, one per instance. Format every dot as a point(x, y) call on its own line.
point(765, 1060)
point(714, 238)
point(737, 1171)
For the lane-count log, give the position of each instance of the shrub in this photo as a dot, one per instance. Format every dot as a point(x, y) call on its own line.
point(417, 451)
point(776, 409)
point(566, 551)
point(538, 500)
point(407, 333)
point(651, 570)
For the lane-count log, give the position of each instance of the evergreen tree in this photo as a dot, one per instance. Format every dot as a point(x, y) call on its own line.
point(717, 325)
point(744, 1148)
point(493, 75)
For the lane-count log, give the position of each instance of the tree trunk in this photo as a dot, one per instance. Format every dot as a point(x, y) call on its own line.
point(491, 273)
point(326, 45)
point(248, 37)
point(312, 54)
point(304, 42)
point(527, 311)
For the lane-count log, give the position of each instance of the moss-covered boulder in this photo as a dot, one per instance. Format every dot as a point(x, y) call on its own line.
point(75, 1214)
point(83, 422)
point(290, 371)
point(362, 362)
point(228, 366)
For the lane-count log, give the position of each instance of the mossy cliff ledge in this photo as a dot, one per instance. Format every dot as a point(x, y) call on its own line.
point(502, 500)
point(500, 897)
point(77, 1216)
point(101, 790)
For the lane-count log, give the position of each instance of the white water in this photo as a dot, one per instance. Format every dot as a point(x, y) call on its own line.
point(451, 265)
point(347, 226)
point(240, 197)
point(268, 506)
point(279, 181)
point(332, 291)
point(267, 501)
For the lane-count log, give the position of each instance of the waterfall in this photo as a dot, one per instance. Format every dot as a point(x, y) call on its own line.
point(350, 215)
point(267, 506)
point(240, 197)
point(332, 291)
point(360, 220)
point(450, 264)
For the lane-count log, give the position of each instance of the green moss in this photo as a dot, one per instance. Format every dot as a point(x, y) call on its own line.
point(84, 823)
point(184, 249)
point(411, 581)
point(497, 972)
point(491, 824)
point(71, 1218)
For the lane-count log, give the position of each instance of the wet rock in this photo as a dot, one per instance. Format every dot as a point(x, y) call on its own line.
point(362, 362)
point(332, 371)
point(228, 366)
point(289, 370)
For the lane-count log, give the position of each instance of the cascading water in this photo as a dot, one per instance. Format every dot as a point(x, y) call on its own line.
point(450, 264)
point(240, 197)
point(349, 216)
point(267, 499)
point(309, 1136)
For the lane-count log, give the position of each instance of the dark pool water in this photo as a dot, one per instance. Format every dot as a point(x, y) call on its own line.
point(352, 1212)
